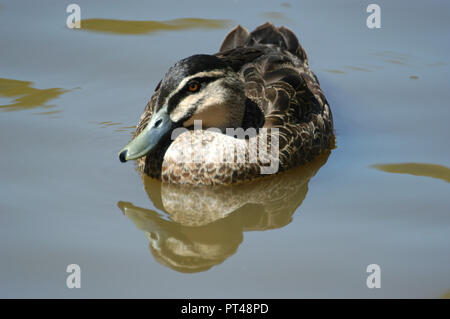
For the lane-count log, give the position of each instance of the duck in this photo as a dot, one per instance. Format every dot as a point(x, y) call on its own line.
point(253, 109)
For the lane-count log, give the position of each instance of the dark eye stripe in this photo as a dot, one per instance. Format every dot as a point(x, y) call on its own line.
point(201, 81)
point(176, 98)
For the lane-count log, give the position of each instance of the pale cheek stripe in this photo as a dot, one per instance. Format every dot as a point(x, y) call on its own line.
point(212, 73)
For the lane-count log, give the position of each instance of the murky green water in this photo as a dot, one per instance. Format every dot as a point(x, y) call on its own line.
point(69, 100)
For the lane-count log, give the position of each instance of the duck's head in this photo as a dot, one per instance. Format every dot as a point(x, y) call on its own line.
point(201, 87)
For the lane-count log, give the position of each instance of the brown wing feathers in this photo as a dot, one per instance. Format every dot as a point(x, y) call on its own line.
point(286, 90)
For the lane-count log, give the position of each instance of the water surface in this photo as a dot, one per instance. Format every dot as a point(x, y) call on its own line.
point(65, 197)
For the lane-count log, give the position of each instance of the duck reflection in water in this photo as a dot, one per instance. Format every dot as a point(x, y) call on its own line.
point(199, 227)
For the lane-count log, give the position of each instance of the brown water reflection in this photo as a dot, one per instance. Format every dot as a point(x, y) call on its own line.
point(206, 224)
point(417, 169)
point(144, 27)
point(25, 96)
point(335, 71)
point(357, 68)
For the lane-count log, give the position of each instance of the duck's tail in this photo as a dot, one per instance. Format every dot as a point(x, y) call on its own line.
point(264, 34)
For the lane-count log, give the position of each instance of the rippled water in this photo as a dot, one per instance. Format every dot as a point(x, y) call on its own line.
point(380, 197)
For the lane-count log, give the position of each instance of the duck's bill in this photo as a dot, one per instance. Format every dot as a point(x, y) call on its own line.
point(156, 130)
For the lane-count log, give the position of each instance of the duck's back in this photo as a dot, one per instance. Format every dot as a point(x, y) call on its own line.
point(274, 68)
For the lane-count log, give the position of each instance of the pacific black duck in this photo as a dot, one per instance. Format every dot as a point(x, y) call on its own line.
point(258, 82)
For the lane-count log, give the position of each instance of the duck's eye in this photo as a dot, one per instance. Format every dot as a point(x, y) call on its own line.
point(193, 86)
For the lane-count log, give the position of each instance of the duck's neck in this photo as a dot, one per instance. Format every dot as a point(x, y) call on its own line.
point(253, 116)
